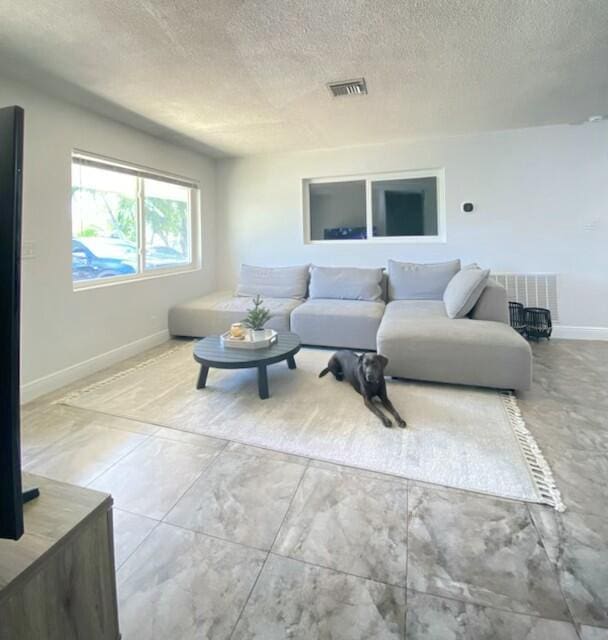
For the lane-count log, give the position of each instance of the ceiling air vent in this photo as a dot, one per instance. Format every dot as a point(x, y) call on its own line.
point(348, 88)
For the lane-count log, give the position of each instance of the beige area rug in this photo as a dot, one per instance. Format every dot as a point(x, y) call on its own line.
point(462, 437)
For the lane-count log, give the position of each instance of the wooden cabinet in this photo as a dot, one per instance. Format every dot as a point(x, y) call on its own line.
point(58, 582)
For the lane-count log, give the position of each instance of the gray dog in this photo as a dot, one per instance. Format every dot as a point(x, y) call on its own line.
point(365, 372)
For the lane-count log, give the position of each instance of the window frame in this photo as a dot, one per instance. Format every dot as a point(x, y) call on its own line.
point(142, 173)
point(369, 178)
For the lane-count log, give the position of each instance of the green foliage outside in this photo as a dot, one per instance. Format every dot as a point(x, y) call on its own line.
point(166, 220)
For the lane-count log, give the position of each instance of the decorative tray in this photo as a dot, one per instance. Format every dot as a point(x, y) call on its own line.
point(251, 340)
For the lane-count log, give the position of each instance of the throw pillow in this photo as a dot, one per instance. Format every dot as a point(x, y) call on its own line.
point(463, 291)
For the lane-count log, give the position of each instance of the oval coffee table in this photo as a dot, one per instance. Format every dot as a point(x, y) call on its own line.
point(209, 352)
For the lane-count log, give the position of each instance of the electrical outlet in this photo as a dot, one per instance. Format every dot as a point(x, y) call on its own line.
point(28, 251)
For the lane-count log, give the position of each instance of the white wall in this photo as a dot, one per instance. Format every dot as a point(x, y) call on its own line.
point(66, 334)
point(540, 195)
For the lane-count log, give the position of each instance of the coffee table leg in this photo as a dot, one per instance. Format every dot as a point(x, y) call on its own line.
point(202, 377)
point(291, 362)
point(263, 382)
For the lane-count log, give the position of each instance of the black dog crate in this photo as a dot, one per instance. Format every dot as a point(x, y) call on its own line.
point(538, 322)
point(517, 317)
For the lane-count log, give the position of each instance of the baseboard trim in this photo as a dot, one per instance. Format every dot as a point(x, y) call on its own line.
point(580, 333)
point(32, 390)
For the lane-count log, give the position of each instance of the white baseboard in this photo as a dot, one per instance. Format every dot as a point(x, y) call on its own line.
point(580, 333)
point(56, 380)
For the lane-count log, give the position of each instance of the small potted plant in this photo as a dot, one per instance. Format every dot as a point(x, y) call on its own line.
point(257, 318)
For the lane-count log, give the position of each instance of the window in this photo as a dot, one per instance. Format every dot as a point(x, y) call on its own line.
point(404, 207)
point(337, 210)
point(128, 223)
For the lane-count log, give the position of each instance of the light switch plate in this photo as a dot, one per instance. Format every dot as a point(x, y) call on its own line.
point(592, 225)
point(28, 251)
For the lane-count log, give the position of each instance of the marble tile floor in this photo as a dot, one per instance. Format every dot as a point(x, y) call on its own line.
point(216, 540)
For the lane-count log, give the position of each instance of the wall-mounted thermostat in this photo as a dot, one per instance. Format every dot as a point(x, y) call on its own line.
point(467, 207)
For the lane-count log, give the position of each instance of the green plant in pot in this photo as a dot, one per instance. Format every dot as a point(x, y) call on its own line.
point(257, 318)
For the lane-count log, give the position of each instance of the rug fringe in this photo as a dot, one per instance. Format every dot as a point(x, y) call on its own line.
point(539, 467)
point(74, 395)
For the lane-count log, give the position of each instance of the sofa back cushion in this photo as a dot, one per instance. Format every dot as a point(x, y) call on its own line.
point(412, 281)
point(346, 283)
point(273, 282)
point(492, 304)
point(384, 286)
point(463, 291)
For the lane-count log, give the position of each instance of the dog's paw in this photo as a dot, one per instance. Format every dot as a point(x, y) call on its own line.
point(387, 423)
point(402, 424)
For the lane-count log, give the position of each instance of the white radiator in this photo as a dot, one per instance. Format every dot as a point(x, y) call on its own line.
point(532, 290)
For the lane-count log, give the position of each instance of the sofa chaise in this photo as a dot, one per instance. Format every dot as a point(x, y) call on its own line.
point(437, 322)
point(214, 313)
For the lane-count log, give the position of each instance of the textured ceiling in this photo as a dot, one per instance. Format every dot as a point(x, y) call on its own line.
point(249, 76)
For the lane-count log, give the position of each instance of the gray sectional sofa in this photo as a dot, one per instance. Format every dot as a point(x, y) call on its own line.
point(435, 322)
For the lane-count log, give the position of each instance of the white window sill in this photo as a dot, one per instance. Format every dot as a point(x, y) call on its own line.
point(385, 240)
point(102, 283)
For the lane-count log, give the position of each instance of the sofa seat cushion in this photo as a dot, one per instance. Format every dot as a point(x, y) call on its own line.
point(422, 343)
point(351, 324)
point(214, 313)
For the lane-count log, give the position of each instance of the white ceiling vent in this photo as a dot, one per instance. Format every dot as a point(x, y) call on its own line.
point(348, 88)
